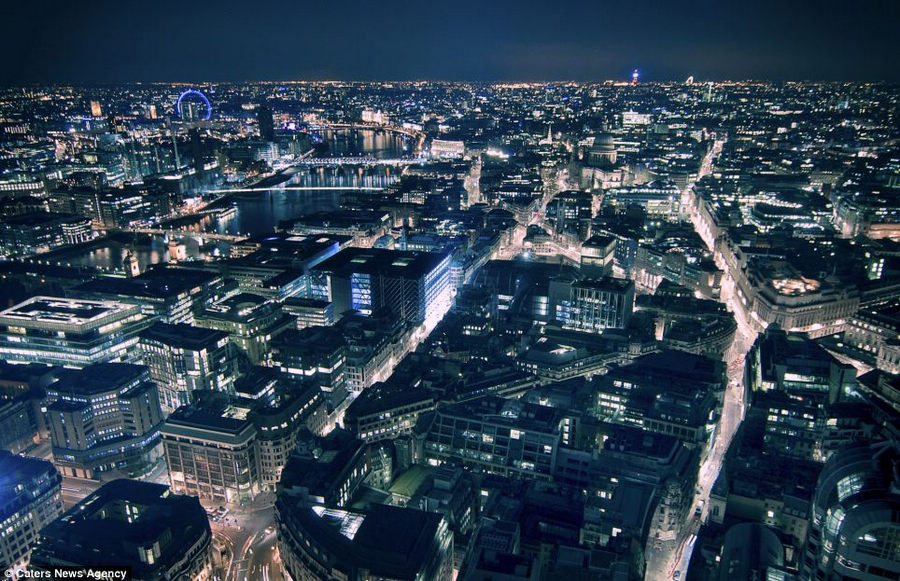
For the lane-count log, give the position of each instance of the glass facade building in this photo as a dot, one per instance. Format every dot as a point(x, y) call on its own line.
point(69, 332)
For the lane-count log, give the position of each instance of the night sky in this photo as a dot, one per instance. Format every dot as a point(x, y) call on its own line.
point(489, 40)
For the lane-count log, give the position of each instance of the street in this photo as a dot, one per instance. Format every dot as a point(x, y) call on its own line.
point(264, 563)
point(665, 558)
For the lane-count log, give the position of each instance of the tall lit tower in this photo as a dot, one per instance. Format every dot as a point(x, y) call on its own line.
point(634, 78)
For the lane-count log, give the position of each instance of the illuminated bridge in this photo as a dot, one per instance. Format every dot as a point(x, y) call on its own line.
point(172, 232)
point(360, 161)
point(419, 136)
point(298, 188)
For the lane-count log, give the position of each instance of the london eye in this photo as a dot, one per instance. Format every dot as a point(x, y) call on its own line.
point(188, 105)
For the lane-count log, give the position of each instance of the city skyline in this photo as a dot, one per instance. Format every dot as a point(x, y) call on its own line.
point(461, 291)
point(499, 41)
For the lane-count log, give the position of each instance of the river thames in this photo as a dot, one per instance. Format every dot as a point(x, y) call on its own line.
point(260, 212)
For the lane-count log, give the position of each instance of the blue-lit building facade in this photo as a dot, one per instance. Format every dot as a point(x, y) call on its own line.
point(30, 499)
point(414, 285)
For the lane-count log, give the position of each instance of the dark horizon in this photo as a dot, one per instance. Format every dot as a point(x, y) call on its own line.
point(48, 41)
point(273, 81)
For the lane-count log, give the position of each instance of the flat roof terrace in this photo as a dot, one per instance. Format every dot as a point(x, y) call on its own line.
point(65, 314)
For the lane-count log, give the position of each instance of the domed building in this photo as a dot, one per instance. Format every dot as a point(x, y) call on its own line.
point(602, 153)
point(751, 550)
point(599, 165)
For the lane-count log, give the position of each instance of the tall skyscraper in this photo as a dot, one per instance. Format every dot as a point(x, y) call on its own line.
point(197, 151)
point(266, 123)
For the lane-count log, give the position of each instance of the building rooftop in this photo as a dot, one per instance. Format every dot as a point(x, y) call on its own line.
point(65, 313)
point(383, 397)
point(184, 336)
point(301, 302)
point(36, 219)
point(239, 307)
point(599, 241)
point(393, 263)
point(157, 282)
point(99, 378)
point(514, 413)
point(605, 283)
point(319, 475)
point(680, 365)
point(216, 416)
point(389, 541)
point(639, 442)
point(16, 474)
point(397, 535)
point(116, 523)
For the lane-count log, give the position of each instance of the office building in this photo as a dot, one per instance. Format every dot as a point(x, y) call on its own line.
point(672, 393)
point(874, 336)
point(104, 417)
point(30, 498)
point(570, 214)
point(251, 321)
point(752, 550)
point(69, 332)
point(798, 366)
point(374, 347)
point(183, 359)
point(41, 232)
point(592, 304)
point(266, 123)
point(296, 409)
point(446, 149)
point(383, 542)
point(22, 421)
point(867, 210)
point(211, 452)
point(414, 285)
point(230, 452)
point(309, 312)
point(127, 523)
point(318, 353)
point(597, 256)
point(175, 295)
point(387, 411)
point(328, 470)
point(854, 528)
point(277, 265)
point(505, 437)
point(661, 200)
